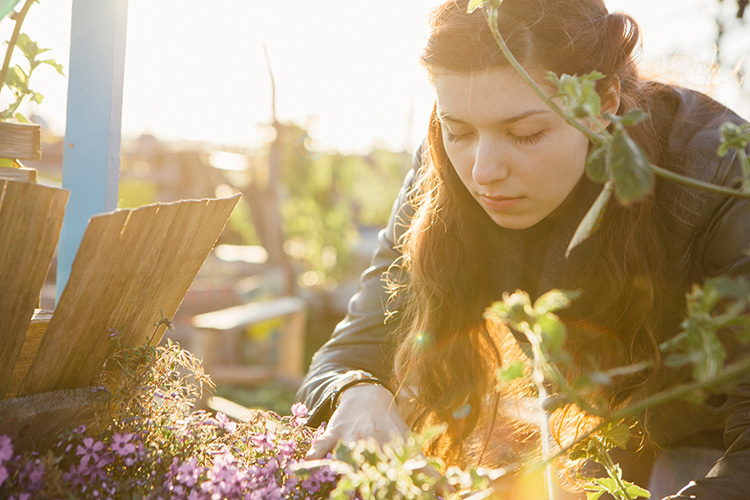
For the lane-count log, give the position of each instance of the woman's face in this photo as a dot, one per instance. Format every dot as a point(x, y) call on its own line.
point(518, 159)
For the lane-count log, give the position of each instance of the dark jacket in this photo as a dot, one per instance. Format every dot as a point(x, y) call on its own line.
point(709, 235)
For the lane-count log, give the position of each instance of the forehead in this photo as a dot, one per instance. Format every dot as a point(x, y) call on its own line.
point(492, 95)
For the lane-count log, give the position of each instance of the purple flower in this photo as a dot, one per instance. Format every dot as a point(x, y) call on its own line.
point(326, 474)
point(6, 448)
point(311, 484)
point(32, 474)
point(89, 450)
point(264, 441)
point(299, 411)
point(121, 444)
point(194, 495)
point(286, 448)
point(269, 492)
point(316, 479)
point(225, 423)
point(3, 474)
point(188, 472)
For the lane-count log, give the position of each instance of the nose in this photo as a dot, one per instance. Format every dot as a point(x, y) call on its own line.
point(491, 162)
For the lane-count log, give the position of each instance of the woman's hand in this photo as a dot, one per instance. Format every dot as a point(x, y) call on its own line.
point(367, 411)
point(364, 411)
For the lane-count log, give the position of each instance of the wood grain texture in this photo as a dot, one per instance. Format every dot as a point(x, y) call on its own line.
point(21, 174)
point(30, 219)
point(20, 141)
point(39, 322)
point(132, 269)
point(34, 422)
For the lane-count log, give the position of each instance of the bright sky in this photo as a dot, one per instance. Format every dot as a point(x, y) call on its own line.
point(348, 70)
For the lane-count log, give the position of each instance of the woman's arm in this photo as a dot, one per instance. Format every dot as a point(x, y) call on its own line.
point(361, 341)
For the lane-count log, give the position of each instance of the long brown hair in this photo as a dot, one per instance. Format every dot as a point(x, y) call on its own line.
point(446, 353)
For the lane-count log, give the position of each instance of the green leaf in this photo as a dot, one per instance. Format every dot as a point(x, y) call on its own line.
point(578, 94)
point(21, 118)
point(633, 116)
point(736, 288)
point(596, 164)
point(51, 62)
point(514, 307)
point(17, 78)
point(610, 485)
point(37, 97)
point(554, 300)
point(630, 169)
point(615, 436)
point(6, 7)
point(474, 5)
point(594, 495)
point(552, 332)
point(28, 46)
point(511, 372)
point(592, 219)
point(733, 136)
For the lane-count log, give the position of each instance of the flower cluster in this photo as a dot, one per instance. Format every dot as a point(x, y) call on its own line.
point(253, 460)
point(147, 441)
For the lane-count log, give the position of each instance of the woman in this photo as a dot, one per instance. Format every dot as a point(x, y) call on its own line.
point(491, 206)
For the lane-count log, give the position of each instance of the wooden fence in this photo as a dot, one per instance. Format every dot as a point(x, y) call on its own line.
point(132, 269)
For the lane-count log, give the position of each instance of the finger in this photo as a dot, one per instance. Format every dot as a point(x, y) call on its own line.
point(321, 447)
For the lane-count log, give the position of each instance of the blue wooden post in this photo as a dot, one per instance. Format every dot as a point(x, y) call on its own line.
point(91, 160)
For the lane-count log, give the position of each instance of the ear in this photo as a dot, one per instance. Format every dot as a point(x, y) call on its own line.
point(610, 99)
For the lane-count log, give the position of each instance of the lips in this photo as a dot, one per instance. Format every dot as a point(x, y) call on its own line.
point(500, 202)
point(498, 197)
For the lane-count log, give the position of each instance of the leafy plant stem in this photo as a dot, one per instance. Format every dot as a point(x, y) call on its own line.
point(538, 377)
point(745, 164)
point(689, 181)
point(682, 390)
point(558, 379)
point(612, 473)
point(491, 15)
point(13, 39)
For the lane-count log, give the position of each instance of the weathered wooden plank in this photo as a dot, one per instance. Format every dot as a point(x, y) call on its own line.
point(249, 314)
point(39, 322)
point(132, 267)
point(35, 421)
point(30, 220)
point(20, 141)
point(21, 174)
point(231, 409)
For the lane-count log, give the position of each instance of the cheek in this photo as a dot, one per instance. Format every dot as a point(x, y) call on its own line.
point(566, 165)
point(462, 161)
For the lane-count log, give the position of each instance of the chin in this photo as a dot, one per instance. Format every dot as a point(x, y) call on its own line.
point(515, 222)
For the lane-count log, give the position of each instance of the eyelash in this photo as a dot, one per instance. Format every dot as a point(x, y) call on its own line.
point(519, 139)
point(528, 139)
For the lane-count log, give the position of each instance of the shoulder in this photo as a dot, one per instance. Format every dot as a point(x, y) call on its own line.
point(689, 124)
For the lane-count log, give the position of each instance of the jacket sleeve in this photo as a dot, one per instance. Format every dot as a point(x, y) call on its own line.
point(361, 341)
point(726, 245)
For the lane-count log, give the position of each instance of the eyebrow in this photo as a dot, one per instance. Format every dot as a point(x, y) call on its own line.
point(446, 116)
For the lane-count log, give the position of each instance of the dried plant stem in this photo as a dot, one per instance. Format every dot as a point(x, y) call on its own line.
point(13, 39)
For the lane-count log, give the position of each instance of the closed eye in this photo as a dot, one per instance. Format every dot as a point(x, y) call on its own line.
point(528, 139)
point(455, 137)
